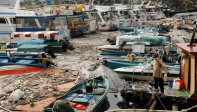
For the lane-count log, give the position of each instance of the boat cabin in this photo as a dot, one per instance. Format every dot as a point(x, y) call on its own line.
point(189, 66)
point(71, 15)
point(107, 17)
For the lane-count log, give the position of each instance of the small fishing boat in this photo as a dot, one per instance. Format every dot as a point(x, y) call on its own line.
point(135, 60)
point(145, 72)
point(114, 53)
point(32, 57)
point(127, 42)
point(88, 94)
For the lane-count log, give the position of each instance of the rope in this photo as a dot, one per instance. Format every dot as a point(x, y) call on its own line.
point(161, 103)
point(185, 110)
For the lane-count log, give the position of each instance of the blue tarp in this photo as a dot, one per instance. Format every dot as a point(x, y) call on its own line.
point(32, 48)
point(154, 39)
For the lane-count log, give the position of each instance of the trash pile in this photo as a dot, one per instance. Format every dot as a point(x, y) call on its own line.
point(73, 66)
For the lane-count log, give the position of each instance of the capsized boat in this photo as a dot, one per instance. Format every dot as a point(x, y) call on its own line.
point(85, 96)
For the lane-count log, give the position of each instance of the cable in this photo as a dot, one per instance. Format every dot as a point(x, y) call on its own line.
point(161, 103)
point(185, 110)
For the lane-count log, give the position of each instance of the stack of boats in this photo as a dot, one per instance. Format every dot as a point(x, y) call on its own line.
point(132, 54)
point(129, 53)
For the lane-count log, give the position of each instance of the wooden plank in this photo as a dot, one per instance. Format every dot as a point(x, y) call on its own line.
point(186, 48)
point(196, 72)
point(192, 75)
point(185, 72)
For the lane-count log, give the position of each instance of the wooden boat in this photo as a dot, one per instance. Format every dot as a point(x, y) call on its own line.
point(90, 93)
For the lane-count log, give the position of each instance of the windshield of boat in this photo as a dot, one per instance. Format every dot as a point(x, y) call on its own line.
point(109, 15)
point(145, 66)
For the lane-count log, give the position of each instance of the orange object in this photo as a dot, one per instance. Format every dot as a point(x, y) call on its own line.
point(23, 70)
point(80, 107)
point(73, 104)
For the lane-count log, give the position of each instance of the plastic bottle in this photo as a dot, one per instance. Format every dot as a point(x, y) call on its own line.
point(176, 86)
point(165, 78)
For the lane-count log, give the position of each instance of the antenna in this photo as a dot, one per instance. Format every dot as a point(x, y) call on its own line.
point(192, 39)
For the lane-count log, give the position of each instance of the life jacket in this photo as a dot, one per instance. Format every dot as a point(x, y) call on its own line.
point(73, 104)
point(80, 107)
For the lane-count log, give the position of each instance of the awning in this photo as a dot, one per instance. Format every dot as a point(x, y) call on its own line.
point(31, 34)
point(32, 48)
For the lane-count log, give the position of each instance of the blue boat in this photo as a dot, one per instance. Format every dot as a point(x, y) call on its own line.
point(114, 53)
point(89, 94)
point(27, 58)
point(118, 63)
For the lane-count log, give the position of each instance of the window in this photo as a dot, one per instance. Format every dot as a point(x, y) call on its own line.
point(2, 20)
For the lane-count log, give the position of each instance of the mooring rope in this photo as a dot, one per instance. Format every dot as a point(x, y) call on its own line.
point(185, 110)
point(161, 102)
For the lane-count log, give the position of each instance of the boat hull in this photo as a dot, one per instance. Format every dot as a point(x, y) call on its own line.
point(118, 63)
point(140, 73)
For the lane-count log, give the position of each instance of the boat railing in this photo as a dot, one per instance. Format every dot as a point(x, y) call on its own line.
point(134, 72)
point(5, 28)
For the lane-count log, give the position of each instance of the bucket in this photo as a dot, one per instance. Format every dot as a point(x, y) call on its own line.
point(170, 84)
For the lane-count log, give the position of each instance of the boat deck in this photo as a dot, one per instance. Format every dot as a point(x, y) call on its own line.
point(172, 92)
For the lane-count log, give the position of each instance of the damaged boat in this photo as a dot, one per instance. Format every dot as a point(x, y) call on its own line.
point(85, 96)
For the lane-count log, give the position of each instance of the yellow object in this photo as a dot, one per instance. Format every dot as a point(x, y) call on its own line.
point(45, 59)
point(76, 6)
point(72, 24)
point(130, 57)
point(80, 7)
point(140, 60)
point(189, 22)
point(4, 47)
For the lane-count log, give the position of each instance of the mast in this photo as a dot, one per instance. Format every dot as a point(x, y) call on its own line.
point(17, 5)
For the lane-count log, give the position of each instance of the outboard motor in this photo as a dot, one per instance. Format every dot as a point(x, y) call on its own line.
point(67, 45)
